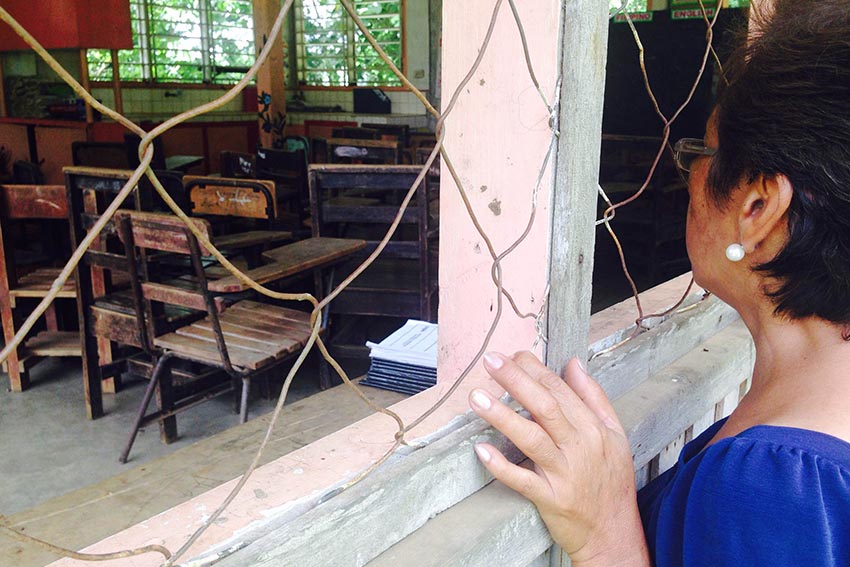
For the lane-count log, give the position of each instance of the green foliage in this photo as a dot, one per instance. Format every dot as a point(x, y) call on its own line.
point(333, 52)
point(173, 43)
point(632, 6)
point(169, 39)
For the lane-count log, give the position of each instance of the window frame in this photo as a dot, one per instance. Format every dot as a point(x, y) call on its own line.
point(291, 55)
point(290, 64)
point(146, 49)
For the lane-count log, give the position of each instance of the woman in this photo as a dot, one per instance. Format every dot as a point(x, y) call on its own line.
point(769, 233)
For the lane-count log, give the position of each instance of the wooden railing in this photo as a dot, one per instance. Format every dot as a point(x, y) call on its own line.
point(435, 505)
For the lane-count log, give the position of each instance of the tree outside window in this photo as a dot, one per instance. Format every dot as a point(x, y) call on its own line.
point(331, 51)
point(183, 41)
point(212, 41)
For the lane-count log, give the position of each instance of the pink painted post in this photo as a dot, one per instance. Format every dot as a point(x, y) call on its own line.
point(497, 137)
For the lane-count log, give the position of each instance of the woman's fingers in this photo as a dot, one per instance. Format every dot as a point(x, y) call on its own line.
point(528, 436)
point(592, 394)
point(570, 403)
point(524, 481)
point(534, 397)
point(578, 393)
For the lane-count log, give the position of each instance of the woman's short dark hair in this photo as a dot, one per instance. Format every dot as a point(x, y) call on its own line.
point(786, 111)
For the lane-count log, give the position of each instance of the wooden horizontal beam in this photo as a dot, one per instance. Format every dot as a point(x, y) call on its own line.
point(361, 523)
point(634, 362)
point(498, 527)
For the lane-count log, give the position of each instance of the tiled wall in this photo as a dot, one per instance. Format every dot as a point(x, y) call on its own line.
point(154, 101)
point(403, 102)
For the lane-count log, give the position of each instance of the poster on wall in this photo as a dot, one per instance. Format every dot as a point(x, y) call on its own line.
point(638, 11)
point(693, 9)
point(637, 17)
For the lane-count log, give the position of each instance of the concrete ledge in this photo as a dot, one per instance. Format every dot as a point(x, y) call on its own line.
point(298, 482)
point(496, 526)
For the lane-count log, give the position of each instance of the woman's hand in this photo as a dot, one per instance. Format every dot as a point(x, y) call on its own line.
point(583, 479)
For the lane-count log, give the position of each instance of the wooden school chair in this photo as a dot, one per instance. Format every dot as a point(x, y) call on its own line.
point(348, 150)
point(400, 132)
point(237, 165)
point(242, 339)
point(288, 169)
point(21, 286)
point(244, 213)
point(104, 306)
point(356, 133)
point(403, 281)
point(100, 154)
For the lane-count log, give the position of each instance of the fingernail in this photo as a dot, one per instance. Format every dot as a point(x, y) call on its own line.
point(581, 365)
point(494, 360)
point(482, 453)
point(481, 400)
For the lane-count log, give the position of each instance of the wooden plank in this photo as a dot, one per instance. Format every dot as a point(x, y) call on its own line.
point(286, 343)
point(244, 322)
point(265, 312)
point(39, 282)
point(668, 456)
point(206, 351)
point(345, 176)
point(685, 389)
point(262, 336)
point(584, 23)
point(371, 213)
point(516, 532)
point(114, 326)
point(469, 538)
point(85, 283)
point(270, 76)
point(351, 528)
point(33, 202)
point(312, 251)
point(193, 299)
point(54, 343)
point(651, 351)
point(701, 424)
point(227, 200)
point(727, 405)
point(159, 231)
point(365, 143)
point(300, 261)
point(18, 377)
point(250, 238)
point(97, 178)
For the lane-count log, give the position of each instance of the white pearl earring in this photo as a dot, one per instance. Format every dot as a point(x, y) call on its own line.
point(735, 252)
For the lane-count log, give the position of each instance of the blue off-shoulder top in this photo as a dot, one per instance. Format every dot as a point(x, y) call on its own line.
point(769, 496)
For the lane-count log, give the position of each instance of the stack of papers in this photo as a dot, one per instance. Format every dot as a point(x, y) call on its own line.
point(406, 361)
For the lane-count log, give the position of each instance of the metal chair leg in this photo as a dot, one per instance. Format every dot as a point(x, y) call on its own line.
point(243, 409)
point(157, 372)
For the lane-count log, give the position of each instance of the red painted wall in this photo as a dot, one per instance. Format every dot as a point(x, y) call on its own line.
point(58, 24)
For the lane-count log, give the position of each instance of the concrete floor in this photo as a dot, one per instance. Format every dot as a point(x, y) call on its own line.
point(61, 470)
point(50, 448)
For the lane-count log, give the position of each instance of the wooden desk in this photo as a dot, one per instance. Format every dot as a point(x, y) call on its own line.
point(250, 239)
point(293, 259)
point(183, 163)
point(37, 204)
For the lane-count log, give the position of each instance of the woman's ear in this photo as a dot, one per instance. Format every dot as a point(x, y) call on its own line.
point(762, 213)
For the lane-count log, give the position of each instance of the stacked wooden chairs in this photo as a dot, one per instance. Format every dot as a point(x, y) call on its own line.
point(25, 211)
point(403, 281)
point(241, 339)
